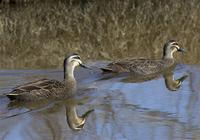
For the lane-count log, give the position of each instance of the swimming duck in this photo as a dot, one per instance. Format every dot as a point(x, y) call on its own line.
point(143, 66)
point(47, 88)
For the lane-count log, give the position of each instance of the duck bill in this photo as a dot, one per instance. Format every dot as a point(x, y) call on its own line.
point(86, 114)
point(84, 66)
point(182, 50)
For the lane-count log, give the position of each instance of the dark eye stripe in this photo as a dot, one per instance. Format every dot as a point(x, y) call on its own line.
point(77, 57)
point(175, 43)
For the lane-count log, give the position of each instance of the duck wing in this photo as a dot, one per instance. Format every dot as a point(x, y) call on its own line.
point(147, 67)
point(117, 66)
point(38, 89)
point(138, 66)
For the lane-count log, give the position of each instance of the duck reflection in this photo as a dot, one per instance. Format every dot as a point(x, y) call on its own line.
point(75, 121)
point(50, 117)
point(171, 83)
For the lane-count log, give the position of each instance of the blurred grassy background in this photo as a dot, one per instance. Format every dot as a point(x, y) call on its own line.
point(38, 34)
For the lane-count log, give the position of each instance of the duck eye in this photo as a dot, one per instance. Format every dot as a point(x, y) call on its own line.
point(77, 57)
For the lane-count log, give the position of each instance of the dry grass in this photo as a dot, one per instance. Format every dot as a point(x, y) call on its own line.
point(40, 34)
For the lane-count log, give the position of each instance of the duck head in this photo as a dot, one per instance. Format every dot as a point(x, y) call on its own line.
point(170, 48)
point(70, 63)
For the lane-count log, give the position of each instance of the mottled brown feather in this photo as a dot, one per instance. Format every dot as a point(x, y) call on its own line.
point(139, 66)
point(37, 90)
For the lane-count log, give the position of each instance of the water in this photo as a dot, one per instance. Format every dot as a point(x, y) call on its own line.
point(118, 107)
point(123, 109)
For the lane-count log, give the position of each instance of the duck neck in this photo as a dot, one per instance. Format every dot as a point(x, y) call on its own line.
point(168, 55)
point(69, 80)
point(68, 71)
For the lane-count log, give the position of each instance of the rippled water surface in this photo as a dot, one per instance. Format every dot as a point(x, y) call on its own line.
point(38, 34)
point(119, 108)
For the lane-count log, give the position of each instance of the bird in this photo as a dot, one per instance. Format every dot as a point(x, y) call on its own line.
point(143, 66)
point(50, 88)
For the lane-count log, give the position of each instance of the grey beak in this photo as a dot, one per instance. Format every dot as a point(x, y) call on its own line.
point(182, 50)
point(182, 78)
point(86, 114)
point(84, 66)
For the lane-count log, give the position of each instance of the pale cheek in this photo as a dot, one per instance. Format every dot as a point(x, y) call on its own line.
point(76, 64)
point(174, 50)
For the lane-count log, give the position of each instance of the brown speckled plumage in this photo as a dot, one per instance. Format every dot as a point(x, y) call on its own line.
point(139, 66)
point(37, 90)
point(143, 66)
point(48, 89)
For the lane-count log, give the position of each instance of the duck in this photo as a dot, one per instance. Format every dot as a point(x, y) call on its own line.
point(50, 88)
point(142, 66)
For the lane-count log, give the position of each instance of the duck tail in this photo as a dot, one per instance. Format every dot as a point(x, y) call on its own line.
point(12, 96)
point(106, 70)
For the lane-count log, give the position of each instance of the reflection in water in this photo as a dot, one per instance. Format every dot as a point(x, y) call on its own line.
point(171, 83)
point(123, 110)
point(45, 114)
point(75, 122)
point(45, 118)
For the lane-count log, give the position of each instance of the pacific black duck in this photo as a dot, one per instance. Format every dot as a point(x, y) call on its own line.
point(143, 66)
point(47, 88)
